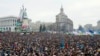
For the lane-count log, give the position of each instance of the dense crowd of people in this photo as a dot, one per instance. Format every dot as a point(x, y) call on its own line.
point(48, 44)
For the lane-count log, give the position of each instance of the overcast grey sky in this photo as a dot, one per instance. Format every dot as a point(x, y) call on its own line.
point(80, 11)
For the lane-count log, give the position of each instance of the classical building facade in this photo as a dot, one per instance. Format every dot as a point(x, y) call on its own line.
point(8, 23)
point(63, 23)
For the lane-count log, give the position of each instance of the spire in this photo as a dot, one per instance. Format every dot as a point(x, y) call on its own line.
point(61, 10)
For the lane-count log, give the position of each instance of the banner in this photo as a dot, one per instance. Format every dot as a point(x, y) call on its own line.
point(25, 24)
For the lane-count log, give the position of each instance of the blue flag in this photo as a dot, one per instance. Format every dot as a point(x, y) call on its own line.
point(62, 44)
point(78, 44)
point(92, 32)
point(81, 46)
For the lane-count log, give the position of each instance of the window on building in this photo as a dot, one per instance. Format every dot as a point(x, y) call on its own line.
point(13, 24)
point(9, 29)
point(0, 29)
point(3, 29)
point(6, 28)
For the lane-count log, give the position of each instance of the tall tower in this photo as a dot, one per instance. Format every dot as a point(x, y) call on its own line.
point(64, 24)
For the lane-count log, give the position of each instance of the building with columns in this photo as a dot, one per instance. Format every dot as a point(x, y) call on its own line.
point(8, 23)
point(63, 23)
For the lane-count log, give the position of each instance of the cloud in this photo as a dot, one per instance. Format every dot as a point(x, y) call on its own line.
point(80, 11)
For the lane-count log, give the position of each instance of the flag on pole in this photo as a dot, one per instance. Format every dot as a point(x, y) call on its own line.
point(92, 32)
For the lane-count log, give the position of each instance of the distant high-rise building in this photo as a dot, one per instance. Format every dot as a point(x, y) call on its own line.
point(95, 28)
point(98, 26)
point(64, 24)
point(98, 23)
point(88, 27)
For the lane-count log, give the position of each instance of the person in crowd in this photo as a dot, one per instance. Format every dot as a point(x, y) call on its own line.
point(48, 44)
